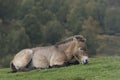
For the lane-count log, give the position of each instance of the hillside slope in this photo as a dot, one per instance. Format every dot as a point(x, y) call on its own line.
point(107, 68)
point(108, 45)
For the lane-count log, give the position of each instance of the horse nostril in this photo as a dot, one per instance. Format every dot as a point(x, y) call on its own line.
point(86, 62)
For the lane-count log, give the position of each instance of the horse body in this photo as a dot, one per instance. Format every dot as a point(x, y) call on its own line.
point(66, 51)
point(45, 57)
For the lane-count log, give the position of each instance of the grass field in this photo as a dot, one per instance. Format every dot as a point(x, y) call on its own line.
point(107, 68)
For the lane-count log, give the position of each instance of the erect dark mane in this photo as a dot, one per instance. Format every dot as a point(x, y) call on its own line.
point(64, 41)
point(78, 37)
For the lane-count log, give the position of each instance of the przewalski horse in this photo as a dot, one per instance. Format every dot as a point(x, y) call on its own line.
point(67, 51)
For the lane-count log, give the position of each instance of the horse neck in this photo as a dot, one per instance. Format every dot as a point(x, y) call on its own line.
point(63, 47)
point(68, 49)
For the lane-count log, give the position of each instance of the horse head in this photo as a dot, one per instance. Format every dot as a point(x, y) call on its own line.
point(73, 48)
point(82, 55)
point(80, 49)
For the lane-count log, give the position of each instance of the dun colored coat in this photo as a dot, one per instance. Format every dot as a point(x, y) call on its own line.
point(62, 53)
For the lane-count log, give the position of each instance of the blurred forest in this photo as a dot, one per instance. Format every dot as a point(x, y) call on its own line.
point(30, 23)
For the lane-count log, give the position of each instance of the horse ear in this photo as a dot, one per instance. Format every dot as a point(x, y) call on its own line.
point(83, 48)
point(82, 39)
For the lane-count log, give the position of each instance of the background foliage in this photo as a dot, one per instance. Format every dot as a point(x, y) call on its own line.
point(29, 23)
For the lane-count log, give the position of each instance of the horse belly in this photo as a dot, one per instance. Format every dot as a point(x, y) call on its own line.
point(40, 61)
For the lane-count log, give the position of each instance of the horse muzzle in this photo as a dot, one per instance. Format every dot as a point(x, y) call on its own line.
point(84, 60)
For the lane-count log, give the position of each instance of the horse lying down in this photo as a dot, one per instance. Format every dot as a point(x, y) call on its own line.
point(69, 51)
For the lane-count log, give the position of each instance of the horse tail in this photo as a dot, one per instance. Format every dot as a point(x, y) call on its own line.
point(29, 64)
point(13, 69)
point(31, 52)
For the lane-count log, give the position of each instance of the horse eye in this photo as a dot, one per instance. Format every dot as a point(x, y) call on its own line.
point(80, 48)
point(82, 40)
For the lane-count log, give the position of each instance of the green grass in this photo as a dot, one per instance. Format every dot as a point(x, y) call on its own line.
point(107, 68)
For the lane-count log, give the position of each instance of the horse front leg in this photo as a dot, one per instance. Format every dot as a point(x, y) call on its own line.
point(59, 64)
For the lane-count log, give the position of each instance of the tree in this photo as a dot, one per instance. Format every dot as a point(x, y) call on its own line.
point(75, 16)
point(112, 18)
point(12, 41)
point(52, 32)
point(8, 9)
point(90, 31)
point(32, 27)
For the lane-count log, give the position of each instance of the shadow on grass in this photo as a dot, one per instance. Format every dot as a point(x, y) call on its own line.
point(78, 78)
point(72, 78)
